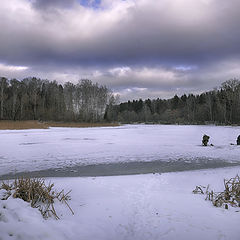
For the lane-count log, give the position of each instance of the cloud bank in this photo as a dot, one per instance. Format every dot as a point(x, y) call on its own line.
point(139, 48)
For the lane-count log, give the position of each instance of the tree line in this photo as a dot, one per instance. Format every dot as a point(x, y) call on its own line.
point(219, 106)
point(37, 99)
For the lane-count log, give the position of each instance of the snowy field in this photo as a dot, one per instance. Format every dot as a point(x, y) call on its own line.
point(137, 207)
point(31, 150)
point(132, 207)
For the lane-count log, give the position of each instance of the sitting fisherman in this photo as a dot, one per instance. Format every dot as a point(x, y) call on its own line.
point(205, 140)
point(238, 140)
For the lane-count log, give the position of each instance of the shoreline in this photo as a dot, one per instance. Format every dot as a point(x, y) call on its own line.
point(34, 124)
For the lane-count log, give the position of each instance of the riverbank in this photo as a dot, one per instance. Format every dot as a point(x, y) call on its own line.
point(20, 125)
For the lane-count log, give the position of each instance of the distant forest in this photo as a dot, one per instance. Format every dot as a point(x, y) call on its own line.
point(219, 106)
point(36, 99)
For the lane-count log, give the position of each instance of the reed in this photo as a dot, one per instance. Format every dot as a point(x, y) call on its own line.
point(39, 194)
point(18, 125)
point(229, 197)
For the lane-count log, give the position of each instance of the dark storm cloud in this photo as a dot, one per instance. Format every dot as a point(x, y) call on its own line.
point(145, 33)
point(42, 4)
point(177, 45)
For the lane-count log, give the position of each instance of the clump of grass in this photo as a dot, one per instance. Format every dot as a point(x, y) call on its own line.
point(39, 194)
point(230, 195)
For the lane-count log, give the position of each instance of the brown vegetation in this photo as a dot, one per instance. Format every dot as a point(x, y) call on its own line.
point(230, 195)
point(37, 193)
point(4, 124)
point(80, 125)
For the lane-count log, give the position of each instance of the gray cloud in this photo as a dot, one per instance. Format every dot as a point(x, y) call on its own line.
point(43, 4)
point(146, 46)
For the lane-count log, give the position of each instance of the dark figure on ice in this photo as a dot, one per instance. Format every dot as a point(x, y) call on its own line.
point(205, 140)
point(238, 140)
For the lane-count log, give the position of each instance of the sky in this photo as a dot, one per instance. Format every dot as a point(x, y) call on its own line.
point(137, 48)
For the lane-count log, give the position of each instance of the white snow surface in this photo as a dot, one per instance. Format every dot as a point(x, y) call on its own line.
point(29, 150)
point(141, 207)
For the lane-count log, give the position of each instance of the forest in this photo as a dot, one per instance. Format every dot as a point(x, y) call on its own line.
point(219, 106)
point(44, 100)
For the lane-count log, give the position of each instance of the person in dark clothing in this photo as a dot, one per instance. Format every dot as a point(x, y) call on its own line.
point(205, 140)
point(238, 140)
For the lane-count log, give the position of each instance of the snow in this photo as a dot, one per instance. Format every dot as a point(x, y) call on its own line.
point(152, 206)
point(29, 150)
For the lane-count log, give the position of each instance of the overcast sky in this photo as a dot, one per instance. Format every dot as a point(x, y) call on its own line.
point(138, 48)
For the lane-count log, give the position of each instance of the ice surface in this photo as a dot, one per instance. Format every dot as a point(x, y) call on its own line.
point(136, 207)
point(31, 150)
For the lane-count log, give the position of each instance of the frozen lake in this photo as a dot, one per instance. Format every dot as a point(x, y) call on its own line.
point(129, 147)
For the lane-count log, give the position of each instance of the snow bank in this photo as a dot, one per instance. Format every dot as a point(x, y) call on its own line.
point(137, 207)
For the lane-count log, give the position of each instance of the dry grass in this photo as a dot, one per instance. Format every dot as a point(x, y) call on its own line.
point(12, 125)
point(39, 194)
point(230, 195)
point(81, 125)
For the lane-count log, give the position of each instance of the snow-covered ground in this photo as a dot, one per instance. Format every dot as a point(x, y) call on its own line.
point(137, 207)
point(152, 206)
point(29, 150)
